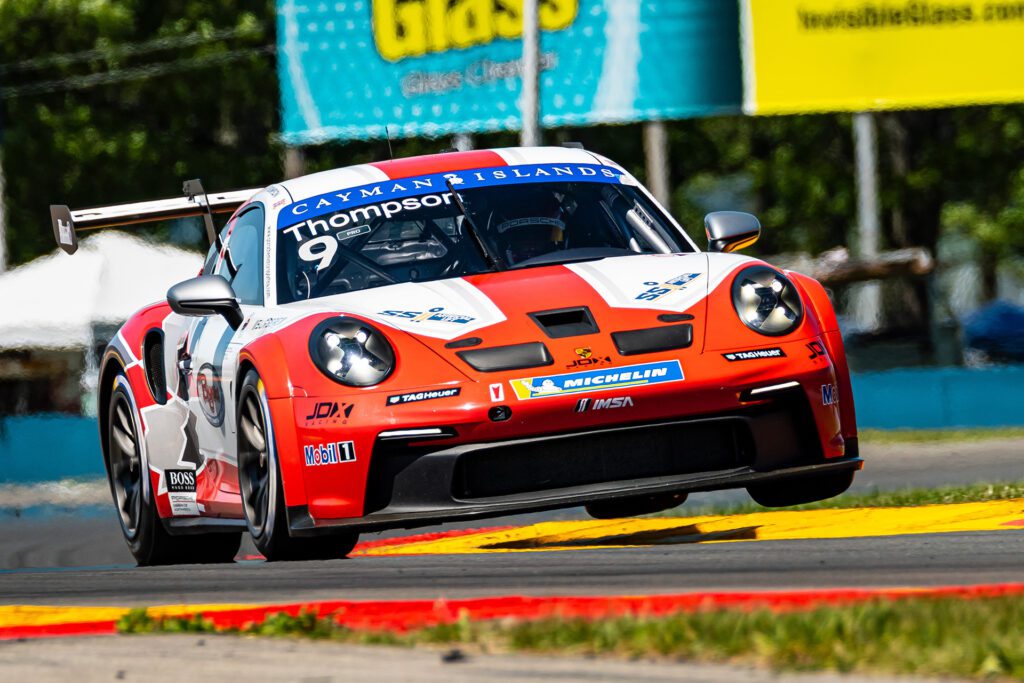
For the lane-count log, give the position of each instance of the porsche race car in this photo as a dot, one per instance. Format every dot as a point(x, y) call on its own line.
point(453, 337)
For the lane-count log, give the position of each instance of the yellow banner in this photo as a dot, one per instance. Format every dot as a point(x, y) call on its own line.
point(855, 55)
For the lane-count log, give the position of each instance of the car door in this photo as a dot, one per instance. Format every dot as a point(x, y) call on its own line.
point(212, 359)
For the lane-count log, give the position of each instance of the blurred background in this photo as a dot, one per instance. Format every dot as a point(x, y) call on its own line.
point(881, 143)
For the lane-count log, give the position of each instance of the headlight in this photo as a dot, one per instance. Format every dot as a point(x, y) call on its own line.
point(766, 301)
point(351, 351)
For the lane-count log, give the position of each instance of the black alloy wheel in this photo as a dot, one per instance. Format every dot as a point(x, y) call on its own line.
point(128, 475)
point(124, 462)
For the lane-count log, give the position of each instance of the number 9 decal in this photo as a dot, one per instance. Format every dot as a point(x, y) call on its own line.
point(328, 247)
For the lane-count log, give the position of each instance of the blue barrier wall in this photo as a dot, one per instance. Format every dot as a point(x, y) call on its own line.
point(939, 398)
point(49, 447)
point(45, 448)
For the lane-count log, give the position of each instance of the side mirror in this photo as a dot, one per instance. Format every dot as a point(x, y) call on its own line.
point(206, 295)
point(731, 231)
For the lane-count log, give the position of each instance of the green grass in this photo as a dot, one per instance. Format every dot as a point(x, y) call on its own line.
point(903, 436)
point(980, 638)
point(968, 493)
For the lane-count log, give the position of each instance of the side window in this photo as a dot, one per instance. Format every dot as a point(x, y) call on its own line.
point(245, 250)
point(212, 255)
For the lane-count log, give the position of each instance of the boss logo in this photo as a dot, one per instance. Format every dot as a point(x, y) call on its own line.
point(180, 481)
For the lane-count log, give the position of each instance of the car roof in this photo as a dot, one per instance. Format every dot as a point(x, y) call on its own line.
point(363, 174)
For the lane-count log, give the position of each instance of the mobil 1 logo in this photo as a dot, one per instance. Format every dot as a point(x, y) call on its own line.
point(329, 453)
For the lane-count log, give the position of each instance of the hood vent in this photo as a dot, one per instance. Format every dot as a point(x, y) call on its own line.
point(566, 322)
point(514, 357)
point(653, 339)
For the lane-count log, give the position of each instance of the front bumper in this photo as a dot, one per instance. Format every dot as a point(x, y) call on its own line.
point(411, 485)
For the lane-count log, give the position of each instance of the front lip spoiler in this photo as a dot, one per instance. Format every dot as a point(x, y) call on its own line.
point(302, 524)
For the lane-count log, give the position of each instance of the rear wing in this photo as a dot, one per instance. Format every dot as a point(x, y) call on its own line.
point(195, 202)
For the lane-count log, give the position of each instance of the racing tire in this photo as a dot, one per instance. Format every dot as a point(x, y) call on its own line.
point(132, 490)
point(259, 480)
point(801, 490)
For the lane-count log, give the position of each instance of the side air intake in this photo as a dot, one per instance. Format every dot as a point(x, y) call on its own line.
point(654, 339)
point(514, 357)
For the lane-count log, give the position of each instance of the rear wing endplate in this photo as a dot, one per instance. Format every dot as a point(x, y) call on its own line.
point(195, 202)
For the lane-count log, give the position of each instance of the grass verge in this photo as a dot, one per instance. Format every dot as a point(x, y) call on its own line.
point(977, 638)
point(969, 493)
point(902, 436)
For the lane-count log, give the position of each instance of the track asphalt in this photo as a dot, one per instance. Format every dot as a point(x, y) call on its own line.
point(78, 558)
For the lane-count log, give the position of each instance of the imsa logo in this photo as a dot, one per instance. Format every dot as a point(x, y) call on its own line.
point(330, 453)
point(585, 404)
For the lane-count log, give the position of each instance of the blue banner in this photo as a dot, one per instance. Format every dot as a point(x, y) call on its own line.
point(387, 191)
point(348, 68)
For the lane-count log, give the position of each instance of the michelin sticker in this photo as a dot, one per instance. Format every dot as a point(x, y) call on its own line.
point(597, 380)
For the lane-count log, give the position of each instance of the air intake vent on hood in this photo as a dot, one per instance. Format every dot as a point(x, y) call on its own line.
point(566, 322)
point(653, 339)
point(514, 357)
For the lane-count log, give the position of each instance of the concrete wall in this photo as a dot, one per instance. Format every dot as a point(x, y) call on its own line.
point(44, 448)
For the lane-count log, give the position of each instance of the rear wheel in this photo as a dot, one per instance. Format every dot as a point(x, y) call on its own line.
point(259, 479)
point(130, 486)
point(802, 490)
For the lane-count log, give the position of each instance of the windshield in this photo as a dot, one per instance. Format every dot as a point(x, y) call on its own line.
point(417, 230)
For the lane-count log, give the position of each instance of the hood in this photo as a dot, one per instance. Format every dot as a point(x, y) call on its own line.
point(621, 293)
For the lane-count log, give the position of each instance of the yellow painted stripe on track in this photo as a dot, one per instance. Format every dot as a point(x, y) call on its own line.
point(39, 615)
point(761, 526)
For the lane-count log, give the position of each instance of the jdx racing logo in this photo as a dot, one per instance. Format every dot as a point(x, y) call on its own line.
point(658, 290)
point(409, 28)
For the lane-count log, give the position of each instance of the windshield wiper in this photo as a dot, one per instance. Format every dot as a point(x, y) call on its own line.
point(493, 260)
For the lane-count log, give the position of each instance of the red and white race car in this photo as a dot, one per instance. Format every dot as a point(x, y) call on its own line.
point(453, 337)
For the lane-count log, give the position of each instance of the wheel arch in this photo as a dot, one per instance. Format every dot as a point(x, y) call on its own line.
point(268, 358)
point(819, 301)
point(111, 366)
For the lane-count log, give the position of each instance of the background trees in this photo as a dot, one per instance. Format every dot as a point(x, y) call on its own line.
point(172, 89)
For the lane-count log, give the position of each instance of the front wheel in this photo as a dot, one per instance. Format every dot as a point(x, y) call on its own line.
point(259, 479)
point(801, 490)
point(128, 475)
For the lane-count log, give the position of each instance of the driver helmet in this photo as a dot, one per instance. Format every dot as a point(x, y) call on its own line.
point(532, 230)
